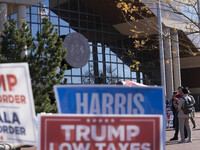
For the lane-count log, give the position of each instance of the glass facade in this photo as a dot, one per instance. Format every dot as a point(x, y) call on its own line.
point(112, 53)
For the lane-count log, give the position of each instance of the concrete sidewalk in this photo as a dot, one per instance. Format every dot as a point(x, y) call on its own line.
point(195, 145)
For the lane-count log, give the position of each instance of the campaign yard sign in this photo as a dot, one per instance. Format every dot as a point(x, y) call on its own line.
point(109, 99)
point(115, 99)
point(105, 132)
point(16, 105)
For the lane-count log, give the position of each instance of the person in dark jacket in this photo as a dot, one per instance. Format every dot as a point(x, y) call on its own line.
point(175, 113)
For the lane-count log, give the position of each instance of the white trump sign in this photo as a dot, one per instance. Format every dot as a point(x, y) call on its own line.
point(16, 105)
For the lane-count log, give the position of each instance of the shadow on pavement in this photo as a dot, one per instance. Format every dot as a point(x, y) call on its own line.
point(195, 129)
point(176, 142)
point(171, 142)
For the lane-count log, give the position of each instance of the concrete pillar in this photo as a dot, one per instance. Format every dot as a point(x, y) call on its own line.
point(3, 16)
point(176, 59)
point(168, 63)
point(21, 17)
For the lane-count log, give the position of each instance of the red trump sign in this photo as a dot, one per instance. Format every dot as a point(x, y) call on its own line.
point(106, 132)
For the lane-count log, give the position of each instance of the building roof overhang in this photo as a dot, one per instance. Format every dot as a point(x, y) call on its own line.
point(13, 4)
point(113, 15)
point(149, 24)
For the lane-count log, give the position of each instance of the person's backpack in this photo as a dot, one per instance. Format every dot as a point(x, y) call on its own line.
point(188, 106)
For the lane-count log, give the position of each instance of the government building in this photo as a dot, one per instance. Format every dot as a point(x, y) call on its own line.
point(112, 52)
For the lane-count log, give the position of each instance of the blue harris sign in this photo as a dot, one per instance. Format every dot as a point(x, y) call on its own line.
point(95, 99)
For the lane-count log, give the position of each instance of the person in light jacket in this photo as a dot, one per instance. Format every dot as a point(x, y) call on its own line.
point(184, 118)
point(193, 111)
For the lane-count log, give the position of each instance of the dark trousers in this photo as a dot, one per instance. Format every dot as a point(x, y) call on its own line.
point(176, 125)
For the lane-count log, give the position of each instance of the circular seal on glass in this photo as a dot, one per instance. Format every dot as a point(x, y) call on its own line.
point(78, 50)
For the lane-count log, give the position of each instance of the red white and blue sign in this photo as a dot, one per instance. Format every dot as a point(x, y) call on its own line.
point(17, 111)
point(115, 99)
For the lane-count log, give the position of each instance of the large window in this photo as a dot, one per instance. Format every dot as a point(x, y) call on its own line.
point(109, 61)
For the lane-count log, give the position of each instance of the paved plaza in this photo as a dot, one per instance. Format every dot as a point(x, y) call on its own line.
point(195, 145)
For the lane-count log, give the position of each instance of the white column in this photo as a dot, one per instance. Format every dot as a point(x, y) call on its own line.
point(21, 17)
point(3, 16)
point(176, 59)
point(168, 63)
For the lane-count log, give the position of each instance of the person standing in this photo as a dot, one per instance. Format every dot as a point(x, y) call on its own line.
point(193, 111)
point(184, 118)
point(176, 121)
point(175, 113)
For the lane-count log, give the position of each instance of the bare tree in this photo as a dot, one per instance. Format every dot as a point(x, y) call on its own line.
point(182, 14)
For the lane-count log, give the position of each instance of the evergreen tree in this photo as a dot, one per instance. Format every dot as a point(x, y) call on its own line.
point(45, 54)
point(14, 41)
